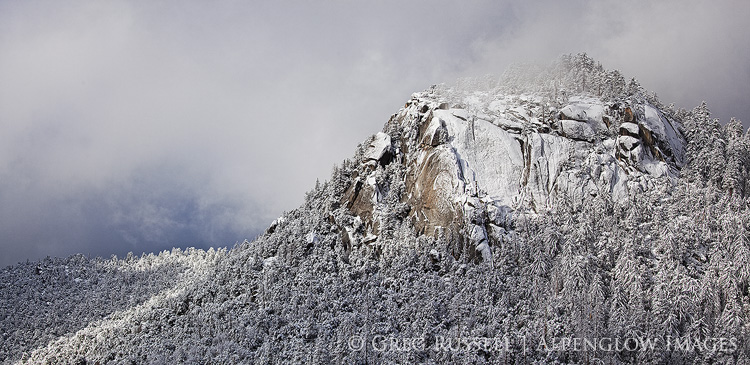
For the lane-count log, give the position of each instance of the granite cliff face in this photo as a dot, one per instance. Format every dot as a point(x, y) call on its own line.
point(556, 202)
point(469, 159)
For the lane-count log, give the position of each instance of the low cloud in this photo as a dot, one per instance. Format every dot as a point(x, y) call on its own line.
point(128, 126)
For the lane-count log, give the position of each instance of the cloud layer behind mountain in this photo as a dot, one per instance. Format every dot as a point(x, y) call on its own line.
point(138, 126)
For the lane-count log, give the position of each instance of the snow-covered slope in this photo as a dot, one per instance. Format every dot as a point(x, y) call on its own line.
point(471, 157)
point(493, 221)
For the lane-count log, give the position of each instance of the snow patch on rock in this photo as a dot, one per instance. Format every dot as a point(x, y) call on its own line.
point(378, 147)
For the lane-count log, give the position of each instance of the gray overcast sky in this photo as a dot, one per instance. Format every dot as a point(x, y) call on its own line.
point(142, 125)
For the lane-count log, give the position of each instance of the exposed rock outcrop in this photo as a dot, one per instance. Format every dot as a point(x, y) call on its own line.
point(469, 167)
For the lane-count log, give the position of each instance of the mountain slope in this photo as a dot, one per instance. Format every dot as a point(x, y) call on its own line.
point(471, 157)
point(493, 221)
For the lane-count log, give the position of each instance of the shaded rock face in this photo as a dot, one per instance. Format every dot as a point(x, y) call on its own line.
point(436, 134)
point(431, 186)
point(648, 141)
point(379, 149)
point(662, 137)
point(628, 116)
point(468, 165)
point(359, 200)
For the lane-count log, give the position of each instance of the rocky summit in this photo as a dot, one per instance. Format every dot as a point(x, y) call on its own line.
point(554, 214)
point(470, 158)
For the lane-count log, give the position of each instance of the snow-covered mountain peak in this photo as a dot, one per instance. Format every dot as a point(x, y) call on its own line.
point(555, 204)
point(473, 153)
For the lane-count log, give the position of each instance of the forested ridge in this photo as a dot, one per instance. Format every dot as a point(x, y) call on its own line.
point(661, 277)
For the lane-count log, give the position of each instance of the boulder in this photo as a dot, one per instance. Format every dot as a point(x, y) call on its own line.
point(311, 238)
point(576, 130)
point(628, 143)
point(379, 148)
point(629, 129)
